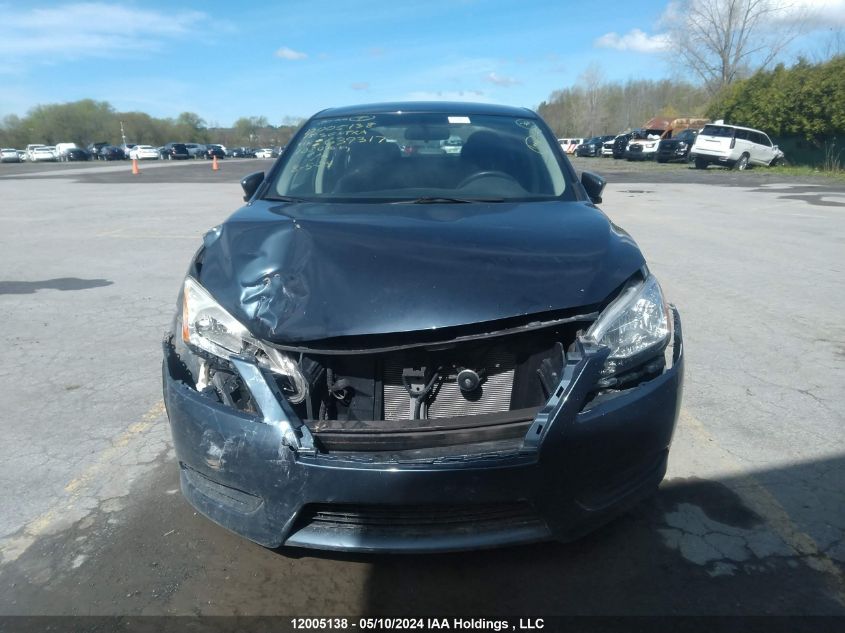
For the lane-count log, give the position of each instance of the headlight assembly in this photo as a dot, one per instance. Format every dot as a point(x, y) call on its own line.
point(209, 327)
point(635, 326)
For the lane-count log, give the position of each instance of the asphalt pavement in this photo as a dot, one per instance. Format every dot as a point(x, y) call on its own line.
point(750, 519)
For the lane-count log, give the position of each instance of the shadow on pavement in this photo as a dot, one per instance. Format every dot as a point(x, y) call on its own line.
point(694, 548)
point(60, 283)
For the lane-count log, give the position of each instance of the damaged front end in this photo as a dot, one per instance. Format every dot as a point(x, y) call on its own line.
point(503, 432)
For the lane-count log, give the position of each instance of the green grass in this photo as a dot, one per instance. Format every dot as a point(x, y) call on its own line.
point(804, 170)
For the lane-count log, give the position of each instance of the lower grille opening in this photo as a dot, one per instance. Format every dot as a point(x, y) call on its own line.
point(422, 519)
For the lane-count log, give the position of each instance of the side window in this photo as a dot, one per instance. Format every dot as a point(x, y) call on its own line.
point(764, 140)
point(742, 135)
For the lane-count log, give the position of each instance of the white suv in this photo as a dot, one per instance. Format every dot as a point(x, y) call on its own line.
point(733, 146)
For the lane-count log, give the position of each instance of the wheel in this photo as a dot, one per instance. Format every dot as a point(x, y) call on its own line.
point(700, 163)
point(485, 174)
point(742, 163)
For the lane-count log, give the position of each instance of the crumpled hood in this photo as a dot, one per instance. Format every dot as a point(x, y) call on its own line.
point(311, 271)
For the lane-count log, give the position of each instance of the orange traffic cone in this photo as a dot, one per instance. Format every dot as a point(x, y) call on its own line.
point(214, 165)
point(135, 169)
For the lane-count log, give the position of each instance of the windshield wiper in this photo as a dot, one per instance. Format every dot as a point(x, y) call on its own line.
point(447, 200)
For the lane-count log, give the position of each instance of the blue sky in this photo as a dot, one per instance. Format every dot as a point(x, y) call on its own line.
point(284, 59)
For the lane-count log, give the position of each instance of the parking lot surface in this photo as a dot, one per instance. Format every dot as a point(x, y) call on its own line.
point(750, 519)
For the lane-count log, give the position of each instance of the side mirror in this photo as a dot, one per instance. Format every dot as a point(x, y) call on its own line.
point(594, 184)
point(251, 183)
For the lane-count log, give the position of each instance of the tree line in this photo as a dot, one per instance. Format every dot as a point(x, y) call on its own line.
point(806, 100)
point(594, 108)
point(89, 121)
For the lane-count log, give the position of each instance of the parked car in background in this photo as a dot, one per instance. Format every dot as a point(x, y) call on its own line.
point(536, 402)
point(111, 152)
point(264, 152)
point(643, 144)
point(676, 148)
point(9, 155)
point(568, 145)
point(620, 144)
point(61, 148)
point(592, 146)
point(245, 152)
point(69, 154)
point(174, 151)
point(144, 152)
point(453, 145)
point(607, 145)
point(734, 146)
point(195, 150)
point(127, 147)
point(40, 153)
point(94, 149)
point(214, 150)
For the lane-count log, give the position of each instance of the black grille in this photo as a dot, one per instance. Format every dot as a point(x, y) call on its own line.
point(419, 519)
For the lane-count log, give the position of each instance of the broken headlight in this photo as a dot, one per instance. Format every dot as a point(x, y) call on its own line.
point(635, 326)
point(209, 327)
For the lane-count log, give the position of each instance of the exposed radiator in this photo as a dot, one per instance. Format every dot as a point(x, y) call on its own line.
point(493, 395)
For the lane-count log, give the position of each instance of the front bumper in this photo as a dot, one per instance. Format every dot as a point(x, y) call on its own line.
point(640, 153)
point(672, 153)
point(579, 466)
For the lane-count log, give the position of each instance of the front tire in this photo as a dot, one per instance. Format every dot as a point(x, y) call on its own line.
point(742, 163)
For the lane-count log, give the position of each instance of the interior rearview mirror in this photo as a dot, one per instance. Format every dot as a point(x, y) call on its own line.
point(594, 185)
point(251, 183)
point(427, 133)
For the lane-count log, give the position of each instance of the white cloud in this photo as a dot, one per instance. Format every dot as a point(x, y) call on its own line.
point(500, 80)
point(809, 14)
point(288, 53)
point(634, 40)
point(88, 29)
point(815, 14)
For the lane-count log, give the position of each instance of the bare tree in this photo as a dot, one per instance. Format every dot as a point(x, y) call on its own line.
point(724, 40)
point(591, 81)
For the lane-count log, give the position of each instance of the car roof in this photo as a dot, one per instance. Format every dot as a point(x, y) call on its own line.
point(736, 127)
point(428, 107)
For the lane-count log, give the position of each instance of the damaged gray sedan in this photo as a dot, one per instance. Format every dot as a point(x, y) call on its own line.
point(395, 347)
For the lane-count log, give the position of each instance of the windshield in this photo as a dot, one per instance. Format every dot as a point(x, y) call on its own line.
point(407, 157)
